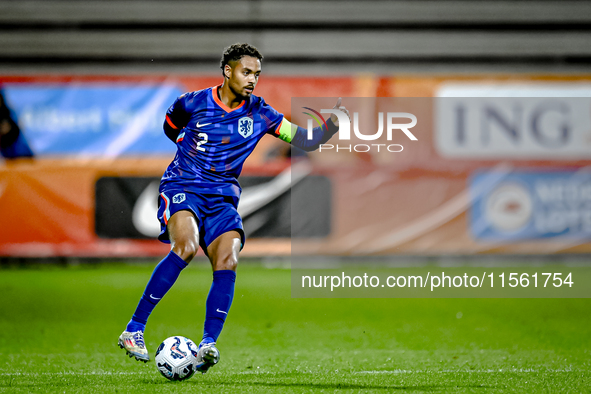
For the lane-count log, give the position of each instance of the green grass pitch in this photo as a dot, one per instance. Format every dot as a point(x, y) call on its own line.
point(59, 328)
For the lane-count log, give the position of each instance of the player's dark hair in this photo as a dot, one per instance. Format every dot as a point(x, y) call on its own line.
point(236, 51)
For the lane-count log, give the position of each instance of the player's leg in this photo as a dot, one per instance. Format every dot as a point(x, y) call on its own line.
point(223, 255)
point(184, 239)
point(184, 236)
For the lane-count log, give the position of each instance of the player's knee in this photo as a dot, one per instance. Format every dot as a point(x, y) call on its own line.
point(226, 261)
point(186, 250)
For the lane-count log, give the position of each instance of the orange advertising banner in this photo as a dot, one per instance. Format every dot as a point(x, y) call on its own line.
point(505, 175)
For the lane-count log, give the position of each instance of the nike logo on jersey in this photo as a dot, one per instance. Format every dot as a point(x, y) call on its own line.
point(218, 310)
point(201, 125)
point(154, 298)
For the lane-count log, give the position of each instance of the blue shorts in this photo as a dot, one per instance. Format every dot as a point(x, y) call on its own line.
point(215, 214)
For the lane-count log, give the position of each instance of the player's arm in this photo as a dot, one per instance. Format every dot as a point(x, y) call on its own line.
point(298, 136)
point(176, 118)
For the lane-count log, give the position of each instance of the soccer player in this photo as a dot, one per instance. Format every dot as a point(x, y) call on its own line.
point(215, 130)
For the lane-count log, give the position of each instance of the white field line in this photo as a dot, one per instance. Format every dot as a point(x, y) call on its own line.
point(405, 371)
point(520, 370)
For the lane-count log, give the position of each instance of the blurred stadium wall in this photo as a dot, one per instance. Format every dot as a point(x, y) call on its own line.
point(89, 82)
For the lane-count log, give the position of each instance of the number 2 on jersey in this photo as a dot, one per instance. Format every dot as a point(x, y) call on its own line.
point(203, 137)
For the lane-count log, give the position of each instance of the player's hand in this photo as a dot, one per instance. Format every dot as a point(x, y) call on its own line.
point(338, 106)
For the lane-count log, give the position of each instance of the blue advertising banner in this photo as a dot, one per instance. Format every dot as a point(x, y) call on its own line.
point(90, 119)
point(509, 206)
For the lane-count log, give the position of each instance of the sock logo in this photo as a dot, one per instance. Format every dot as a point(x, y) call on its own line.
point(179, 198)
point(154, 298)
point(218, 310)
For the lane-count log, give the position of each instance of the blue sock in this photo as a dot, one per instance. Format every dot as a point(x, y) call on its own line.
point(218, 304)
point(163, 277)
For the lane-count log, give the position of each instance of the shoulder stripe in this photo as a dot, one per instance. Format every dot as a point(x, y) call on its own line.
point(170, 123)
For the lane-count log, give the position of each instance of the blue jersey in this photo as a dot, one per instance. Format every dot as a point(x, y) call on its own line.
point(214, 141)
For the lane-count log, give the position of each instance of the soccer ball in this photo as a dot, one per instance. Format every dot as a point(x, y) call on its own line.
point(176, 358)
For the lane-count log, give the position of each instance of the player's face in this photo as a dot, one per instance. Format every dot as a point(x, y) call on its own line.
point(244, 76)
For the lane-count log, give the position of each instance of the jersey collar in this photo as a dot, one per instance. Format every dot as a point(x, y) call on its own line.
point(214, 94)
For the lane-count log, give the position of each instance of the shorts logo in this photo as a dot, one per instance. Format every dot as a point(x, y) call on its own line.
point(245, 126)
point(179, 198)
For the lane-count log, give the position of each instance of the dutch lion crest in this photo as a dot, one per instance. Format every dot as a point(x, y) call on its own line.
point(245, 126)
point(179, 198)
